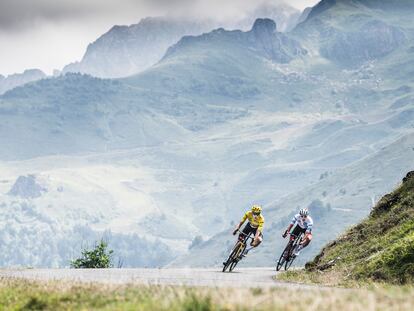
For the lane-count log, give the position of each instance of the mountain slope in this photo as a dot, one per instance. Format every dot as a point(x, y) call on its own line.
point(126, 50)
point(224, 120)
point(88, 114)
point(79, 113)
point(350, 33)
point(18, 79)
point(381, 247)
point(344, 194)
point(263, 38)
point(226, 67)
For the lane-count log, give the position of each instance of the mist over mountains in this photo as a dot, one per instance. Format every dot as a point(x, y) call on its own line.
point(127, 50)
point(321, 116)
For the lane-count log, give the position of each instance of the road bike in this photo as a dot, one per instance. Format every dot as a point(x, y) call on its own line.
point(237, 252)
point(288, 255)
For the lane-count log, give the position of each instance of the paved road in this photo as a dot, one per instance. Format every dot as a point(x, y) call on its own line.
point(246, 277)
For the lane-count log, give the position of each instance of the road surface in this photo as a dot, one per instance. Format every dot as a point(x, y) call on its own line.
point(246, 277)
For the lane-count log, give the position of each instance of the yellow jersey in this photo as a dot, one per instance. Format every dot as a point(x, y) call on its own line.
point(255, 221)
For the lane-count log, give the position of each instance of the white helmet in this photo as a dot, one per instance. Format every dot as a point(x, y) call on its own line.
point(304, 212)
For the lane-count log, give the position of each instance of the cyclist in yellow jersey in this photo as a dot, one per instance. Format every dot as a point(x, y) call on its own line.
point(255, 225)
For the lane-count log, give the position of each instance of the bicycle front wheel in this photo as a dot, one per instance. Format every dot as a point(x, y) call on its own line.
point(237, 258)
point(281, 261)
point(283, 257)
point(233, 265)
point(290, 256)
point(232, 257)
point(289, 263)
point(226, 265)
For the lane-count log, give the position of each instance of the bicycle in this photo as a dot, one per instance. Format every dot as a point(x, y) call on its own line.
point(237, 252)
point(287, 256)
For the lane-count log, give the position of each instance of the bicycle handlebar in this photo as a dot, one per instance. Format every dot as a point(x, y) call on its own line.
point(238, 230)
point(300, 235)
point(246, 235)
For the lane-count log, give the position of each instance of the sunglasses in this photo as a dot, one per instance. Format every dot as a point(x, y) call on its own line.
point(256, 214)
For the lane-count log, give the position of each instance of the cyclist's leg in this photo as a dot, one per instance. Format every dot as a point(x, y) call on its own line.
point(296, 231)
point(301, 245)
point(306, 240)
point(246, 230)
point(256, 242)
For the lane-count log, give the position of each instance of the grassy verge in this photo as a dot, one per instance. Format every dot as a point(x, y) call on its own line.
point(378, 249)
point(331, 278)
point(25, 295)
point(376, 255)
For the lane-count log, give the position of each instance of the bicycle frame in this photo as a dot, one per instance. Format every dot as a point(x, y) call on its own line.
point(246, 236)
point(286, 258)
point(237, 251)
point(294, 237)
point(243, 240)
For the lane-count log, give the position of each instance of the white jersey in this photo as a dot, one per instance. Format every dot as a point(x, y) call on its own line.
point(306, 223)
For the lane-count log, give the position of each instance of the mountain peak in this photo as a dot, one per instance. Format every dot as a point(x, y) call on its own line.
point(321, 7)
point(264, 25)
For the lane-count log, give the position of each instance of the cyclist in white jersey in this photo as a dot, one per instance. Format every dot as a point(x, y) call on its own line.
point(304, 224)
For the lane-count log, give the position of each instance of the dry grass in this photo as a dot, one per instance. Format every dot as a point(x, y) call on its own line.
point(25, 295)
point(330, 278)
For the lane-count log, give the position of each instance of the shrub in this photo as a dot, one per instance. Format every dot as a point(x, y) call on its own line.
point(99, 257)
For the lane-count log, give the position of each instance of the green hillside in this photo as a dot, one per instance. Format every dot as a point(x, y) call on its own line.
point(380, 248)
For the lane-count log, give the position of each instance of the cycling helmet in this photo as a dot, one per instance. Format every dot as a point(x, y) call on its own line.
point(256, 209)
point(304, 212)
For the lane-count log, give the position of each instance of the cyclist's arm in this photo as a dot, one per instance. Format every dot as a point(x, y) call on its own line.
point(241, 222)
point(259, 229)
point(292, 223)
point(308, 233)
point(310, 226)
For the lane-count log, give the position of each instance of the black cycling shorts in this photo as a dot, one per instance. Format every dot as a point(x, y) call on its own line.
point(249, 229)
point(298, 230)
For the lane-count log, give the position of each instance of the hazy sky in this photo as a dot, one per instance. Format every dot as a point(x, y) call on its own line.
point(49, 34)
